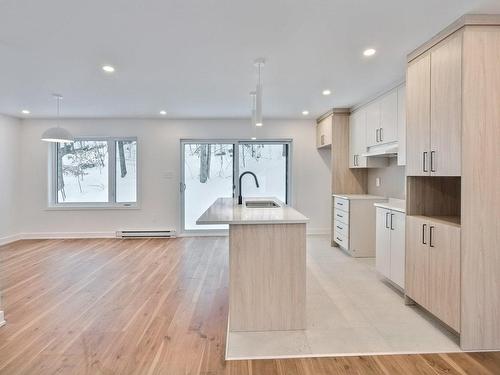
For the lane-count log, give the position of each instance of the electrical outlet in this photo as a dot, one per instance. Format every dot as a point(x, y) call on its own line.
point(377, 182)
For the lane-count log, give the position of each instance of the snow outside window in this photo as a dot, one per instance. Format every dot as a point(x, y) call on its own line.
point(95, 172)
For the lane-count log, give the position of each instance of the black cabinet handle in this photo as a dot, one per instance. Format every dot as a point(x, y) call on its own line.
point(376, 134)
point(386, 220)
point(339, 227)
point(380, 132)
point(339, 239)
point(430, 235)
point(424, 167)
point(392, 215)
point(340, 204)
point(424, 227)
point(433, 153)
point(339, 215)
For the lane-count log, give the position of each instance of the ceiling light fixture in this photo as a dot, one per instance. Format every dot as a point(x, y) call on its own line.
point(57, 134)
point(108, 68)
point(163, 113)
point(326, 92)
point(259, 64)
point(253, 98)
point(25, 112)
point(305, 113)
point(254, 138)
point(369, 52)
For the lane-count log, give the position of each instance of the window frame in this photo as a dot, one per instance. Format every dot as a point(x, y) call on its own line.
point(53, 202)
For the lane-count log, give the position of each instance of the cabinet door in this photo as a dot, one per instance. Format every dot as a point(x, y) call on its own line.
point(444, 273)
point(383, 242)
point(398, 248)
point(372, 123)
point(324, 132)
point(389, 118)
point(446, 107)
point(357, 139)
point(402, 125)
point(417, 260)
point(353, 123)
point(418, 101)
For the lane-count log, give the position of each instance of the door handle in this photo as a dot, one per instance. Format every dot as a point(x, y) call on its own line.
point(381, 132)
point(354, 160)
point(433, 153)
point(376, 134)
point(430, 235)
point(424, 158)
point(392, 215)
point(357, 162)
point(424, 227)
point(386, 220)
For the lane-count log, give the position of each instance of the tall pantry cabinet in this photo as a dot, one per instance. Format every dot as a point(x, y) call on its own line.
point(453, 175)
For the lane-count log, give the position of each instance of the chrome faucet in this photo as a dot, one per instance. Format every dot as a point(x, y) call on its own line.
point(240, 198)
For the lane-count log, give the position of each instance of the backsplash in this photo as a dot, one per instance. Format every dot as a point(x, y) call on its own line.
point(392, 180)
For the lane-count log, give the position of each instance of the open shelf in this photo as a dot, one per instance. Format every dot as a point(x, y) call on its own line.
point(449, 220)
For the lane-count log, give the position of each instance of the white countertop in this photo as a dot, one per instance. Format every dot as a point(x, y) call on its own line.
point(227, 211)
point(358, 196)
point(393, 204)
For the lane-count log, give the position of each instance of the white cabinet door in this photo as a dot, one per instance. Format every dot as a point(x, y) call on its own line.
point(389, 118)
point(372, 123)
point(383, 242)
point(397, 263)
point(357, 139)
point(402, 125)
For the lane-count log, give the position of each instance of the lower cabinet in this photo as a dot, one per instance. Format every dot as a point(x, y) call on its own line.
point(433, 267)
point(390, 245)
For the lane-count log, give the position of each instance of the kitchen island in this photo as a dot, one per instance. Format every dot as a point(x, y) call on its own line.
point(267, 263)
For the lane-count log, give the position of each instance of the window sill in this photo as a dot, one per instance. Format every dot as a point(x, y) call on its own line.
point(76, 207)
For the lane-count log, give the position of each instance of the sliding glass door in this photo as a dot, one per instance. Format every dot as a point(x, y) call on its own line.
point(210, 170)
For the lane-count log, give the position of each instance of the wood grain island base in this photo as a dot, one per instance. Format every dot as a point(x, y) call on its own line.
point(267, 264)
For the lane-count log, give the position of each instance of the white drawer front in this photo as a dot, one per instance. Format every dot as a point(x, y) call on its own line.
point(341, 240)
point(341, 228)
point(341, 216)
point(341, 204)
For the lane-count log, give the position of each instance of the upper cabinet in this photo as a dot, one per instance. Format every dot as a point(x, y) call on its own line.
point(434, 111)
point(402, 125)
point(379, 123)
point(324, 132)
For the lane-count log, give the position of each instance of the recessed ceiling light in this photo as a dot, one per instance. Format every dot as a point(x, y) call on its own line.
point(163, 113)
point(254, 138)
point(369, 52)
point(305, 113)
point(326, 92)
point(258, 124)
point(108, 68)
point(25, 112)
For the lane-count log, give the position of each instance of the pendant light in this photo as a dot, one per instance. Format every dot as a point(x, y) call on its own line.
point(253, 98)
point(57, 134)
point(259, 64)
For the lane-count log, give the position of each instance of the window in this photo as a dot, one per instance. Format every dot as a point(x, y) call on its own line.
point(95, 172)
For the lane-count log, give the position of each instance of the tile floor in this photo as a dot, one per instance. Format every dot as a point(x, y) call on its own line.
point(350, 310)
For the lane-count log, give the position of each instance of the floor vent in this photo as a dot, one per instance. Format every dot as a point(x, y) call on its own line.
point(146, 234)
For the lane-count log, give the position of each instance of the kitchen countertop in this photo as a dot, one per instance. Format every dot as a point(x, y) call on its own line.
point(393, 204)
point(358, 196)
point(227, 211)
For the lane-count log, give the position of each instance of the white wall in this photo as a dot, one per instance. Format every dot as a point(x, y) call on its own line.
point(159, 152)
point(9, 158)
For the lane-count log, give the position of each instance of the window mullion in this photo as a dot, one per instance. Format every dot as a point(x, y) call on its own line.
point(112, 171)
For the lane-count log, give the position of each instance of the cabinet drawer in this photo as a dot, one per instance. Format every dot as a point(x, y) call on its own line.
point(341, 216)
point(340, 239)
point(341, 228)
point(341, 203)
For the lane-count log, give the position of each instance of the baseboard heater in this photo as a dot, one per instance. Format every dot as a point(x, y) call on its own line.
point(146, 234)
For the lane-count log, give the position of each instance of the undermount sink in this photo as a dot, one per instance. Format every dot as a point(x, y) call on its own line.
point(261, 204)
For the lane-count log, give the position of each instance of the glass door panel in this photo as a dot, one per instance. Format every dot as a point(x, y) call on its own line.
point(269, 161)
point(208, 171)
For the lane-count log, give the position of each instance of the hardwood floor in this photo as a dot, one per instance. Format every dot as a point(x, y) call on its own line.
point(149, 307)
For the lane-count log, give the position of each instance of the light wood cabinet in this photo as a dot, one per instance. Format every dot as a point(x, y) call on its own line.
point(390, 245)
point(446, 108)
point(402, 125)
point(324, 132)
point(433, 266)
point(434, 111)
point(418, 112)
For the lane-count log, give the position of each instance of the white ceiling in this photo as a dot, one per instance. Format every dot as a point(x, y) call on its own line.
point(194, 57)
